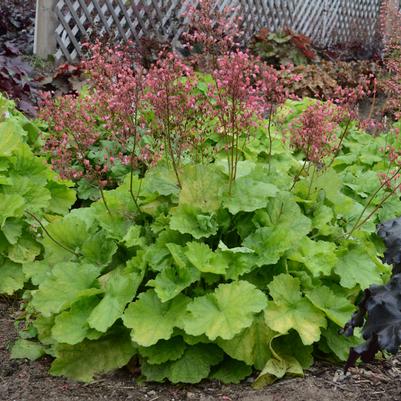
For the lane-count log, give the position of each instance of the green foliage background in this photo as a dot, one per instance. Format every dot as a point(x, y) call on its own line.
point(28, 190)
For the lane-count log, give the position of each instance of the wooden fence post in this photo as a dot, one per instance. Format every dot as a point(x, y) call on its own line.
point(390, 17)
point(45, 42)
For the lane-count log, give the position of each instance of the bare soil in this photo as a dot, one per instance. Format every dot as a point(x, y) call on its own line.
point(22, 380)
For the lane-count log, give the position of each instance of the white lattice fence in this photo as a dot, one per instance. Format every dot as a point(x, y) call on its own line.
point(327, 22)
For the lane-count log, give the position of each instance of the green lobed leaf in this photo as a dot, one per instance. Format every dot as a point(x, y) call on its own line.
point(337, 308)
point(356, 267)
point(151, 320)
point(282, 226)
point(161, 180)
point(338, 343)
point(249, 194)
point(134, 237)
point(276, 369)
point(192, 367)
point(25, 250)
point(202, 188)
point(225, 312)
point(62, 197)
point(12, 205)
point(37, 271)
point(99, 255)
point(27, 349)
point(11, 277)
point(205, 260)
point(231, 371)
point(12, 229)
point(289, 310)
point(188, 219)
point(164, 350)
point(82, 361)
point(36, 196)
point(67, 283)
point(71, 231)
point(172, 280)
point(251, 345)
point(322, 219)
point(175, 277)
point(120, 289)
point(71, 327)
point(319, 257)
point(11, 137)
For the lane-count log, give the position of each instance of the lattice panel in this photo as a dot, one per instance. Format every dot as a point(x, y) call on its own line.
point(327, 22)
point(353, 21)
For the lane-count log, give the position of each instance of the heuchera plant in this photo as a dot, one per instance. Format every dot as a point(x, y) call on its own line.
point(208, 268)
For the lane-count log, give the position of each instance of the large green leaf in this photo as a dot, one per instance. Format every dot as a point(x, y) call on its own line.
point(151, 320)
point(249, 194)
point(225, 312)
point(289, 310)
point(164, 350)
point(12, 205)
point(337, 308)
point(134, 237)
point(276, 369)
point(205, 260)
point(26, 165)
point(282, 226)
point(202, 188)
point(84, 360)
point(37, 271)
point(192, 367)
point(231, 371)
point(172, 280)
point(176, 276)
point(188, 219)
point(100, 256)
point(356, 267)
point(338, 343)
point(10, 138)
point(251, 345)
point(161, 180)
point(11, 277)
point(71, 232)
point(25, 250)
point(62, 198)
point(12, 229)
point(319, 257)
point(27, 349)
point(71, 327)
point(36, 196)
point(120, 289)
point(323, 217)
point(289, 357)
point(68, 282)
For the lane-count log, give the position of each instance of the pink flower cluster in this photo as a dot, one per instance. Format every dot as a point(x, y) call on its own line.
point(211, 33)
point(123, 101)
point(314, 131)
point(107, 110)
point(237, 93)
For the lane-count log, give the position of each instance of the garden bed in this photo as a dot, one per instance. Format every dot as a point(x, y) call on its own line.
point(237, 219)
point(25, 381)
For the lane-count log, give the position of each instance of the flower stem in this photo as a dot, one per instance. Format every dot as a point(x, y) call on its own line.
point(269, 127)
point(342, 137)
point(49, 235)
point(296, 178)
point(104, 199)
point(357, 225)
